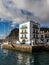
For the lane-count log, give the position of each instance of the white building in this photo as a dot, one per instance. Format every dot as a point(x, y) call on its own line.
point(29, 32)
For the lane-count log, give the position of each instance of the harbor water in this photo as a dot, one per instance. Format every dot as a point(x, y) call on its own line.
point(11, 57)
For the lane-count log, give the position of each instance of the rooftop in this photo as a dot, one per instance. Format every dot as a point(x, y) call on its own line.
point(29, 21)
point(44, 29)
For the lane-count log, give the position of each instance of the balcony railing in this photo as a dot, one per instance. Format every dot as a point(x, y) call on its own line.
point(35, 26)
point(24, 27)
point(36, 32)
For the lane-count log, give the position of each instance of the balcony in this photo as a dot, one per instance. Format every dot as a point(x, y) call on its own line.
point(24, 27)
point(36, 32)
point(35, 26)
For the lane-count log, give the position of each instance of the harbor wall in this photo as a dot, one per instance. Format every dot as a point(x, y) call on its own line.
point(18, 47)
point(25, 48)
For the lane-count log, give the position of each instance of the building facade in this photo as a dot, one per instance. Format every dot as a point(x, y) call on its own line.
point(44, 32)
point(29, 31)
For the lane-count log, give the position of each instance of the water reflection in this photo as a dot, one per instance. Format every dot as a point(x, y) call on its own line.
point(41, 58)
point(5, 52)
point(25, 59)
point(9, 57)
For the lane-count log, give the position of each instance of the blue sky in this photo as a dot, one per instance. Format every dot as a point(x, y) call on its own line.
point(6, 27)
point(16, 11)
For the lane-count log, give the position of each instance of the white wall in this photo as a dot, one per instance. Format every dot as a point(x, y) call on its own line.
point(28, 32)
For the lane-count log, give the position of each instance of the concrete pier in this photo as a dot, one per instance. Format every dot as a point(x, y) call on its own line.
point(18, 47)
point(25, 48)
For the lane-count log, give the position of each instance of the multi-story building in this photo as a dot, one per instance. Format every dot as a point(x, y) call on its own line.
point(29, 31)
point(44, 32)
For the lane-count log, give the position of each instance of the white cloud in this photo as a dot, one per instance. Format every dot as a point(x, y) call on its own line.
point(2, 36)
point(48, 2)
point(13, 25)
point(11, 9)
point(38, 7)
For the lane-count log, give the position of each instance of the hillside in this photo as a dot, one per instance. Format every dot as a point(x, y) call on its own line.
point(14, 35)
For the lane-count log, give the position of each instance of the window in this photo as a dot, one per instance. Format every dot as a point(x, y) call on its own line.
point(33, 30)
point(22, 31)
point(37, 31)
point(34, 36)
point(46, 35)
point(22, 37)
point(41, 36)
point(47, 40)
point(25, 37)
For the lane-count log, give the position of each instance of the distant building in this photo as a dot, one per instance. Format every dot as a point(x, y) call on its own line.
point(44, 32)
point(29, 31)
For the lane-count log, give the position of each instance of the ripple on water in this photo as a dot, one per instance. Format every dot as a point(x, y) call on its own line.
point(8, 57)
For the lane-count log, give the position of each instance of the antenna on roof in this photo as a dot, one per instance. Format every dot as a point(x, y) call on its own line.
point(27, 17)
